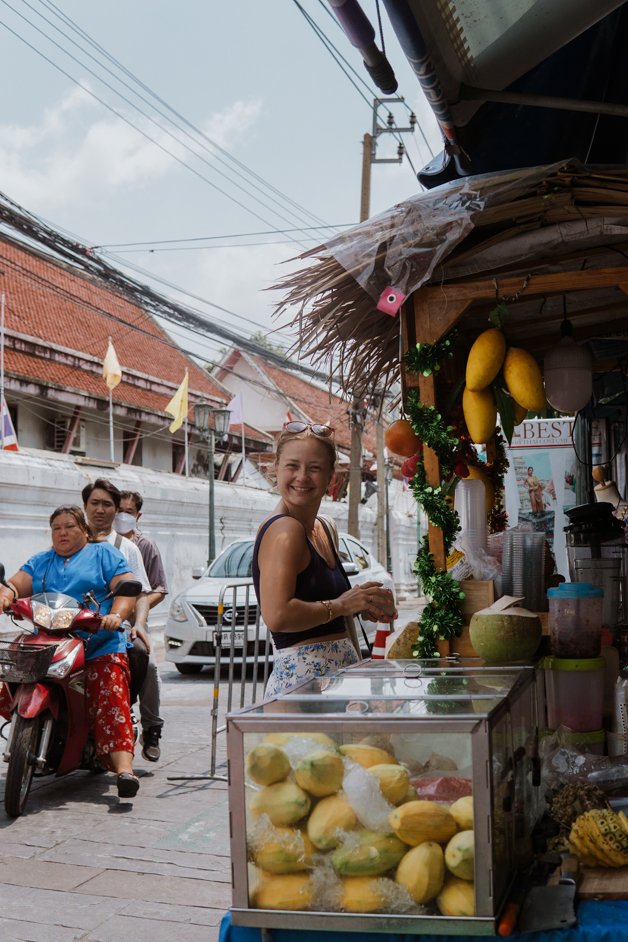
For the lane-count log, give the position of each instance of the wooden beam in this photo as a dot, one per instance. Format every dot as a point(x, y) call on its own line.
point(427, 392)
point(435, 298)
point(131, 448)
point(72, 429)
point(436, 313)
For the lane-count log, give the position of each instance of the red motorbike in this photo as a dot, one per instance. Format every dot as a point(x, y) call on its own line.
point(42, 689)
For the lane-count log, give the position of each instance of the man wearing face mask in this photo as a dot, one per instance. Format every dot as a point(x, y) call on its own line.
point(125, 523)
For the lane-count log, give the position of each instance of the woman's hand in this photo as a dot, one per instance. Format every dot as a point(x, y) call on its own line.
point(371, 600)
point(111, 622)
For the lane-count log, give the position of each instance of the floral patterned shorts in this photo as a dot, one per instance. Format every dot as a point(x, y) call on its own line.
point(108, 704)
point(293, 666)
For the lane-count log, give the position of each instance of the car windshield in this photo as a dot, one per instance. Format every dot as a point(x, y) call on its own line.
point(234, 562)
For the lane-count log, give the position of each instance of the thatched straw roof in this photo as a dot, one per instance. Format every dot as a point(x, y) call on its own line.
point(555, 218)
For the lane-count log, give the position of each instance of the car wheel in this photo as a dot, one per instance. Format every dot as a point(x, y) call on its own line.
point(189, 668)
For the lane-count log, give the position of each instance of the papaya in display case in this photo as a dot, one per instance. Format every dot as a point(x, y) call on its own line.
point(393, 796)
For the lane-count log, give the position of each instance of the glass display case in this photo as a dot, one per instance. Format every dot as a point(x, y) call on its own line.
point(393, 796)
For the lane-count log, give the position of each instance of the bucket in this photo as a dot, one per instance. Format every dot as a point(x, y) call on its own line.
point(575, 693)
point(604, 573)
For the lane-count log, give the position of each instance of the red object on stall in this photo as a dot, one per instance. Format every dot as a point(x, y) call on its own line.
point(378, 652)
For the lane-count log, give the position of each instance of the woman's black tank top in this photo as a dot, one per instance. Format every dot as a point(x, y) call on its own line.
point(317, 582)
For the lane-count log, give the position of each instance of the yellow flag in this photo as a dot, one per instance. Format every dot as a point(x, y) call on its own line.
point(178, 405)
point(111, 370)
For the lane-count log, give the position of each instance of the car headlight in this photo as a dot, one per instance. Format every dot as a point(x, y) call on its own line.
point(177, 612)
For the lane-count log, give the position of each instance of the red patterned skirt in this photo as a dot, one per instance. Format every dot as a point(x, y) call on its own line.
point(108, 704)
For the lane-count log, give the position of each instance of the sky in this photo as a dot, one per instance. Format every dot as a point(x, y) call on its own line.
point(257, 131)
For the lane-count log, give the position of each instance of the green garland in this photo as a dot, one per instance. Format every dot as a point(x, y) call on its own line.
point(425, 358)
point(442, 616)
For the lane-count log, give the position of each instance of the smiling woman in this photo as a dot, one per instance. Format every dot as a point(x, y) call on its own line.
point(303, 592)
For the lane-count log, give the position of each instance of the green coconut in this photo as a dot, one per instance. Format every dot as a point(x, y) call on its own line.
point(505, 632)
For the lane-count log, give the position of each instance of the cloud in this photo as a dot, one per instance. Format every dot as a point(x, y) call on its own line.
point(79, 152)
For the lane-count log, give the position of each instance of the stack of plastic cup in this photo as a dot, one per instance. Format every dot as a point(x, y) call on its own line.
point(470, 505)
point(523, 564)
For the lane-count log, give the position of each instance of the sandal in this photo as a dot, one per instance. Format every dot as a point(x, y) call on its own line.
point(128, 785)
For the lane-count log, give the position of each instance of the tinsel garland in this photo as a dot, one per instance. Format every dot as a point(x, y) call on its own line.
point(425, 358)
point(442, 617)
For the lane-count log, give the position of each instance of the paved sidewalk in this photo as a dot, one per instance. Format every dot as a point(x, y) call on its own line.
point(82, 865)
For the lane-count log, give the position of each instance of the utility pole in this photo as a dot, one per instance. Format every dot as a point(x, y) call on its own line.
point(369, 151)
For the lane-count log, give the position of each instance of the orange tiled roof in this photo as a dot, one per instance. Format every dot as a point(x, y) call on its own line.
point(52, 302)
point(318, 405)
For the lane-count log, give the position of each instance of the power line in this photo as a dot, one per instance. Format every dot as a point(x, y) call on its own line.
point(50, 5)
point(231, 235)
point(135, 127)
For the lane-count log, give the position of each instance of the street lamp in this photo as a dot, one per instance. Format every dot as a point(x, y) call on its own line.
point(204, 412)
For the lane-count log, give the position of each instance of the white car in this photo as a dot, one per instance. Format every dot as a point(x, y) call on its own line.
point(193, 615)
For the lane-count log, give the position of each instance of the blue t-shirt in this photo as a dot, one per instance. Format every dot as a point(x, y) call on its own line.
point(89, 570)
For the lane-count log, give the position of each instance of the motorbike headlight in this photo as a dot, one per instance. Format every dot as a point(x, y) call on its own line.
point(177, 611)
point(42, 615)
point(64, 618)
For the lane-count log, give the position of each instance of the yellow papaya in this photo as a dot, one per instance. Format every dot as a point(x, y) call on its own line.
point(480, 414)
point(524, 379)
point(485, 359)
point(460, 855)
point(288, 850)
point(292, 891)
point(419, 821)
point(281, 739)
point(284, 803)
point(457, 898)
point(462, 811)
point(267, 764)
point(366, 755)
point(329, 818)
point(367, 854)
point(364, 894)
point(422, 871)
point(393, 781)
point(320, 773)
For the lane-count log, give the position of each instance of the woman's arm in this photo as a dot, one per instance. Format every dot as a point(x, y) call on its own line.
point(282, 555)
point(122, 607)
point(23, 585)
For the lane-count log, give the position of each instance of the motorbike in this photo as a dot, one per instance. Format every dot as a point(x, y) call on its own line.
point(42, 688)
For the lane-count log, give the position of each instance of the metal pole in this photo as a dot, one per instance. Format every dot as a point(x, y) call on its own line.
point(210, 473)
point(111, 446)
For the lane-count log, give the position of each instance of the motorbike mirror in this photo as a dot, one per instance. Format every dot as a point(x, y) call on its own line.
point(128, 589)
point(2, 573)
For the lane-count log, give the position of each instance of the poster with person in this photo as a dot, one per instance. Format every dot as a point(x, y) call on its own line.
point(540, 482)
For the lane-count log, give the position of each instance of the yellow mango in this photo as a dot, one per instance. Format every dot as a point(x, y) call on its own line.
point(393, 781)
point(524, 379)
point(364, 894)
point(330, 817)
point(422, 871)
point(457, 898)
point(419, 821)
point(462, 811)
point(287, 851)
point(320, 773)
point(460, 855)
point(267, 764)
point(292, 891)
point(485, 359)
point(284, 803)
point(370, 855)
point(366, 755)
point(480, 414)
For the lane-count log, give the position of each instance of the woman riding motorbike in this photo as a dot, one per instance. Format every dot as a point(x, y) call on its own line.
point(75, 565)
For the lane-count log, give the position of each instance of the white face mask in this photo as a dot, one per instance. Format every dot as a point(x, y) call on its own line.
point(124, 523)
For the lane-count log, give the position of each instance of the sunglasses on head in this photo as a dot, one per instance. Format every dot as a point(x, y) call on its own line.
point(323, 431)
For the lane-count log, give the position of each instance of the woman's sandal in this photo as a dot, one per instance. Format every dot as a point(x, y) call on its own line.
point(128, 785)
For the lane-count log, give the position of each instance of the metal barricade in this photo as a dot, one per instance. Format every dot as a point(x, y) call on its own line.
point(242, 652)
